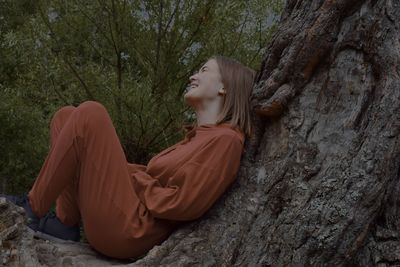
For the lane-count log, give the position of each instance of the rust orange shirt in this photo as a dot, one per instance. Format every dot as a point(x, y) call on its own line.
point(183, 181)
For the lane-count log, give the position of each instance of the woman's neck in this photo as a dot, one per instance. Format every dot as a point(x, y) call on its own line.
point(208, 114)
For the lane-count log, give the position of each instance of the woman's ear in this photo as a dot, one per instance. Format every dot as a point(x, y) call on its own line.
point(222, 91)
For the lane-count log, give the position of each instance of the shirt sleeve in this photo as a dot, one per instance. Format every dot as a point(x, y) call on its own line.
point(135, 166)
point(196, 185)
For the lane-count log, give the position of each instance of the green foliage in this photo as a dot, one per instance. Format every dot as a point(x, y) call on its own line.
point(23, 138)
point(135, 57)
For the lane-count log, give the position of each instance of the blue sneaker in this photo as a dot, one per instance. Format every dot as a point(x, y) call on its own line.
point(47, 227)
point(50, 226)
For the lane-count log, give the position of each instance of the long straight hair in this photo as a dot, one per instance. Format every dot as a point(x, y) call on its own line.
point(238, 81)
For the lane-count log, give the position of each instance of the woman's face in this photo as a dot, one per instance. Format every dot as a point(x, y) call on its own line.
point(205, 85)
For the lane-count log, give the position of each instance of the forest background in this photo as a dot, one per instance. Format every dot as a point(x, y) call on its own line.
point(135, 57)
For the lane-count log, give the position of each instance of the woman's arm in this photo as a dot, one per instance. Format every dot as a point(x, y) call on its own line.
point(196, 185)
point(134, 167)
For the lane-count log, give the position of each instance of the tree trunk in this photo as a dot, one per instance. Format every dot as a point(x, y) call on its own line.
point(322, 186)
point(319, 183)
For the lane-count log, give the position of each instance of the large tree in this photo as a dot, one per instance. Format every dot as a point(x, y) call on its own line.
point(319, 182)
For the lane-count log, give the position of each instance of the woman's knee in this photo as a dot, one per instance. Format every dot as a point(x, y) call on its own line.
point(62, 113)
point(91, 104)
point(92, 107)
point(94, 110)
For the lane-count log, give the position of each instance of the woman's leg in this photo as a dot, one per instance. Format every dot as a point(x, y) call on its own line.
point(39, 198)
point(88, 144)
point(67, 209)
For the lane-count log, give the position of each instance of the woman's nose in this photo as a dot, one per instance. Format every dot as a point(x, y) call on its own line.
point(191, 78)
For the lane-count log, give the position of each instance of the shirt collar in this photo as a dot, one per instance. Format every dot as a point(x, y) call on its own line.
point(208, 126)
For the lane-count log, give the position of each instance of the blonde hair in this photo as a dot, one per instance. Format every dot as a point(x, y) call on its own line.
point(238, 81)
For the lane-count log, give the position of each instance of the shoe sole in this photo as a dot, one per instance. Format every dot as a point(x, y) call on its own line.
point(40, 234)
point(45, 236)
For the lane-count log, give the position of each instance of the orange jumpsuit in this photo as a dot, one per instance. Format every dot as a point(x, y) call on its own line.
point(127, 208)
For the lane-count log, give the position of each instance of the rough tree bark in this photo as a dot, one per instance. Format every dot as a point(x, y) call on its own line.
point(319, 183)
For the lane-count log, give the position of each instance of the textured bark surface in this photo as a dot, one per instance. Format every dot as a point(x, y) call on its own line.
point(19, 247)
point(319, 183)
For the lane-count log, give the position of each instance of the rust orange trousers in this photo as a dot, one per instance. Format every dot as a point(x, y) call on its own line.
point(85, 173)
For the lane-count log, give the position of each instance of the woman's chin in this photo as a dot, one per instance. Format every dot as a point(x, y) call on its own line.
point(188, 96)
point(191, 100)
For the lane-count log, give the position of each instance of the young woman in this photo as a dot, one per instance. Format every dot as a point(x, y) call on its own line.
point(127, 208)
